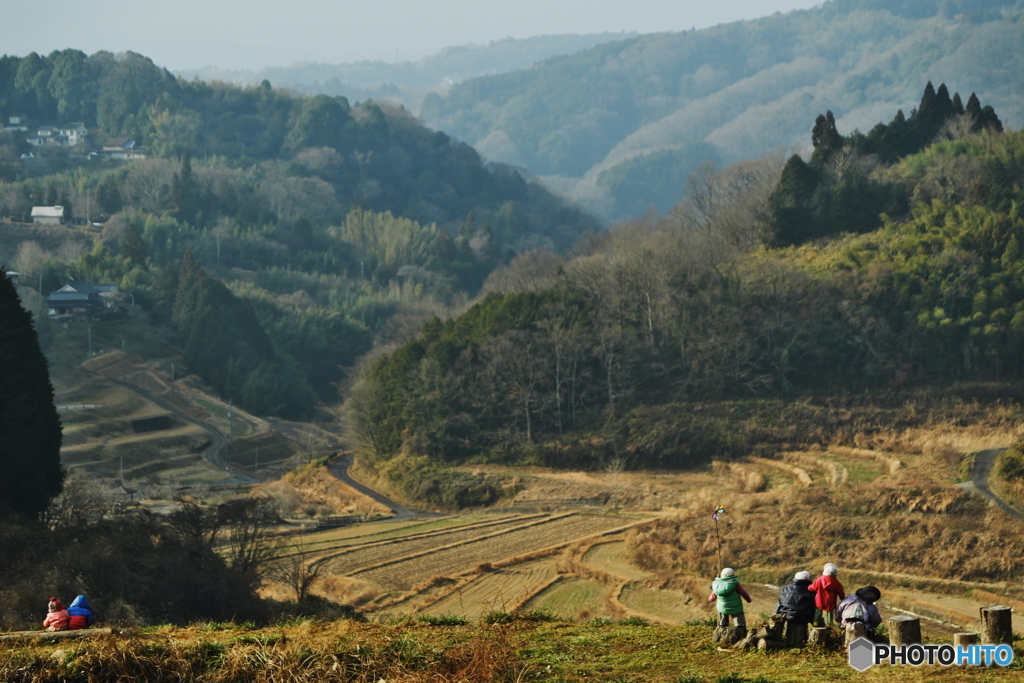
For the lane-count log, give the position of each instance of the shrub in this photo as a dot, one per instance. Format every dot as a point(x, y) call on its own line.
point(443, 619)
point(498, 617)
point(1011, 463)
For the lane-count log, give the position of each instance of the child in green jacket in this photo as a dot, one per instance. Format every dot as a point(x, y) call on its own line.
point(727, 591)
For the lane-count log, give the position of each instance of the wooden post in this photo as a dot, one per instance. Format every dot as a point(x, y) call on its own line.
point(904, 630)
point(965, 639)
point(818, 637)
point(997, 628)
point(854, 631)
point(796, 634)
point(727, 635)
point(43, 635)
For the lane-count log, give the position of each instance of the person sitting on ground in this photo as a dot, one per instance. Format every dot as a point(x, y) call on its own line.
point(796, 601)
point(80, 614)
point(827, 592)
point(860, 608)
point(57, 618)
point(727, 591)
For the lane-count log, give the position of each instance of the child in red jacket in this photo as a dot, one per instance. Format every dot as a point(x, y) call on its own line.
point(827, 592)
point(58, 618)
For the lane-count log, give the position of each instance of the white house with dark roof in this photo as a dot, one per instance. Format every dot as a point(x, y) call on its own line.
point(78, 297)
point(48, 215)
point(44, 135)
point(73, 134)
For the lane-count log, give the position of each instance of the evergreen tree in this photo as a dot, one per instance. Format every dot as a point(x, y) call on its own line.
point(792, 221)
point(30, 431)
point(185, 192)
point(958, 105)
point(973, 110)
point(108, 194)
point(133, 249)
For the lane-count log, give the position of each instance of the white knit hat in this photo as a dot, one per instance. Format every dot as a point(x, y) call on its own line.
point(802, 576)
point(830, 570)
point(727, 572)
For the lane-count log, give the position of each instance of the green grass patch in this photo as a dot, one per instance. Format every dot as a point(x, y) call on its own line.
point(862, 471)
point(966, 469)
point(239, 426)
point(569, 597)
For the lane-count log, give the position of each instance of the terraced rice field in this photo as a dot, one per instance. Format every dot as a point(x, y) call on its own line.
point(572, 598)
point(497, 590)
point(674, 606)
point(358, 556)
point(613, 557)
point(321, 542)
point(404, 574)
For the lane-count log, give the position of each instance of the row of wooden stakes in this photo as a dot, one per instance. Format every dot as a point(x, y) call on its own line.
point(776, 633)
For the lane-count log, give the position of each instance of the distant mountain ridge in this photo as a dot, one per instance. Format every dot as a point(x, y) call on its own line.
point(408, 82)
point(619, 126)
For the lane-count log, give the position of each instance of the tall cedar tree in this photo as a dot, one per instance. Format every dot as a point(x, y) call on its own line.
point(30, 431)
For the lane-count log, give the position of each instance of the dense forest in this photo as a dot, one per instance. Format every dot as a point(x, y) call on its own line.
point(885, 263)
point(620, 126)
point(315, 227)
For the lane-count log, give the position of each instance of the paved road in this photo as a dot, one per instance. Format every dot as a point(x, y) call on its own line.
point(983, 463)
point(339, 468)
point(218, 440)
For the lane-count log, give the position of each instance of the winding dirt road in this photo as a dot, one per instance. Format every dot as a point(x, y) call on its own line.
point(217, 443)
point(339, 468)
point(983, 463)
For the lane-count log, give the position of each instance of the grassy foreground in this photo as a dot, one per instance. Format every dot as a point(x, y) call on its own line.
point(414, 652)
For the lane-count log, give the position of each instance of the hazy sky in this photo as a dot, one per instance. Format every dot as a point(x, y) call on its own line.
point(253, 34)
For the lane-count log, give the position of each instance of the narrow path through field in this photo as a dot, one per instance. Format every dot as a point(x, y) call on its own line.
point(983, 463)
point(339, 468)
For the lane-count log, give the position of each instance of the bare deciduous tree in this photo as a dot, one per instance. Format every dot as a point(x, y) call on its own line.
point(82, 502)
point(293, 568)
point(248, 537)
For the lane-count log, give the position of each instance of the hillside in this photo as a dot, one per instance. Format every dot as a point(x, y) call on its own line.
point(772, 301)
point(553, 651)
point(621, 125)
point(408, 82)
point(316, 228)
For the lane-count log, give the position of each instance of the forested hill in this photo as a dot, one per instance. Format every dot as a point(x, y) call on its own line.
point(317, 227)
point(408, 82)
point(621, 125)
point(886, 267)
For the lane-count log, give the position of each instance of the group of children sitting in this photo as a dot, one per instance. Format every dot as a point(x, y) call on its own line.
point(821, 602)
point(77, 616)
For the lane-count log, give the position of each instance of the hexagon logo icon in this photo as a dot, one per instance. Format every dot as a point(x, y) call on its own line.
point(862, 654)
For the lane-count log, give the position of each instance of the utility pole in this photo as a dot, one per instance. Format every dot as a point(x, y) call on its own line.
point(231, 443)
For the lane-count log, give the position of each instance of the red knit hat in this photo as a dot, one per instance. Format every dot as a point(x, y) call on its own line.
point(55, 605)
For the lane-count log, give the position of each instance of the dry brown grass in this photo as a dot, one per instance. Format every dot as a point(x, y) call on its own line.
point(930, 531)
point(893, 465)
point(835, 473)
point(312, 491)
point(744, 479)
point(310, 652)
point(798, 473)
